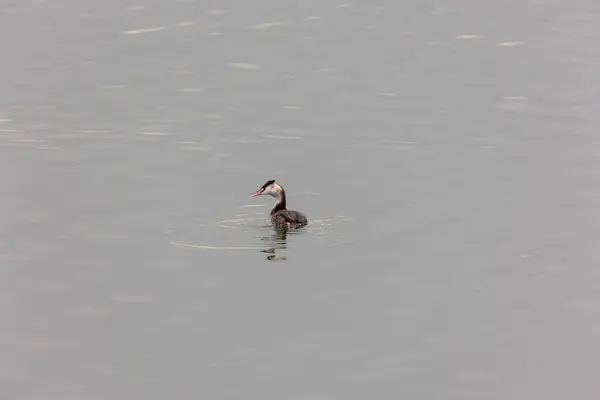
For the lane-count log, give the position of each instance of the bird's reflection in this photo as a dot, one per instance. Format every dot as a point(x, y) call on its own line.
point(276, 241)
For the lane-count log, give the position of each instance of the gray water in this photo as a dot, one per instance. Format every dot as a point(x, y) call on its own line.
point(446, 154)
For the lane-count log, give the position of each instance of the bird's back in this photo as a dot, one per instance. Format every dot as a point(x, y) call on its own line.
point(289, 218)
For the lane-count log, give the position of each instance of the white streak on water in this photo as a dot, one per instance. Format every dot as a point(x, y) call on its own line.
point(27, 140)
point(158, 28)
point(282, 137)
point(208, 247)
point(468, 37)
point(516, 98)
point(189, 90)
point(184, 24)
point(267, 25)
point(93, 131)
point(144, 30)
point(241, 65)
point(510, 44)
point(194, 146)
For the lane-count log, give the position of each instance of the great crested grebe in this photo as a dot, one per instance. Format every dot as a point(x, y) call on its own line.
point(280, 215)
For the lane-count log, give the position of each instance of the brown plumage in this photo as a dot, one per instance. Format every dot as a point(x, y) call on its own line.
point(280, 215)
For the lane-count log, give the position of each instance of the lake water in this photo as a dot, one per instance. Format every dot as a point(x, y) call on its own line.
point(446, 154)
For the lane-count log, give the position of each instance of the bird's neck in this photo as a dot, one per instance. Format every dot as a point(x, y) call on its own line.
point(280, 203)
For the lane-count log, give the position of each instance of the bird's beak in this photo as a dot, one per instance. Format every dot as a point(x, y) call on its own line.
point(257, 193)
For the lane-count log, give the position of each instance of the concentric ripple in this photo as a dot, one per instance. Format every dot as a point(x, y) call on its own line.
point(271, 237)
point(317, 225)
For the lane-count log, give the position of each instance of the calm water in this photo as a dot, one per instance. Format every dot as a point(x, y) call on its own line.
point(445, 152)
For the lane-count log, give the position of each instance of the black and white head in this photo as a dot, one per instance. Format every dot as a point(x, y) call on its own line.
point(271, 188)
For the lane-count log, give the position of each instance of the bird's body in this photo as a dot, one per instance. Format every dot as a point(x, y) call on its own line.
point(289, 218)
point(280, 215)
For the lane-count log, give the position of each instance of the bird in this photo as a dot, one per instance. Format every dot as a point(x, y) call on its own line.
point(280, 215)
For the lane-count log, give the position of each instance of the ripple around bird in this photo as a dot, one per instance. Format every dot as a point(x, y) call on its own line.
point(270, 235)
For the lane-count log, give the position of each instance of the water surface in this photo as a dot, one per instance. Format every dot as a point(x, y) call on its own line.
point(446, 154)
